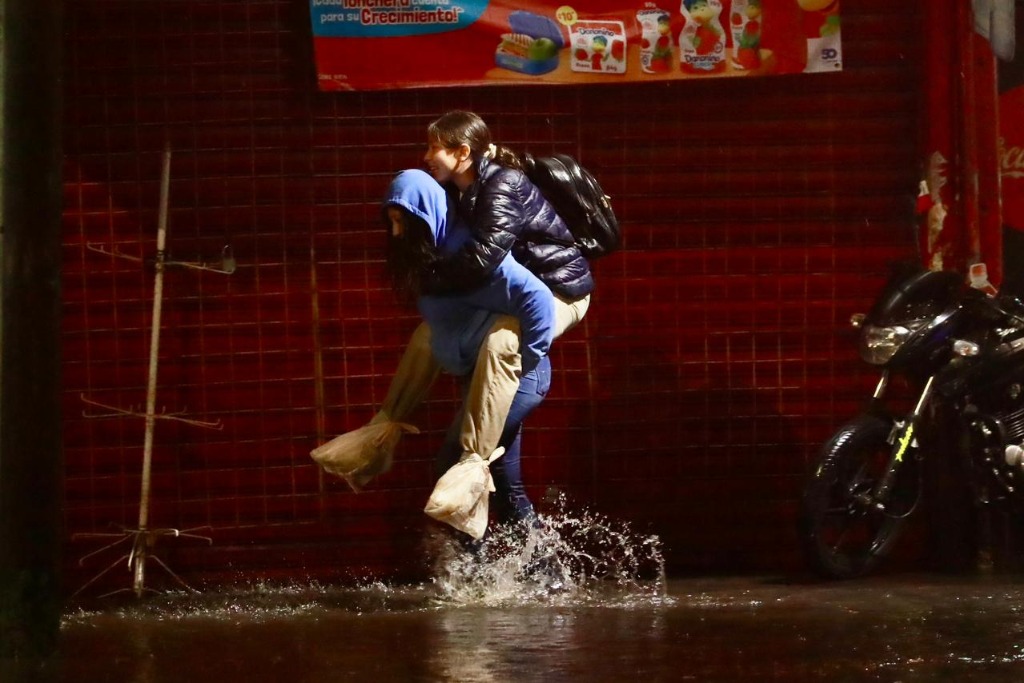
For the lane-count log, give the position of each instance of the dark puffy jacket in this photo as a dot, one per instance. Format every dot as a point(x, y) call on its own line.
point(508, 213)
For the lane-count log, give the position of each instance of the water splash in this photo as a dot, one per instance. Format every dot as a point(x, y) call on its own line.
point(572, 557)
point(568, 557)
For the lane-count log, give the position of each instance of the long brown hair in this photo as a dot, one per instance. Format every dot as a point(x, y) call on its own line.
point(457, 128)
point(411, 257)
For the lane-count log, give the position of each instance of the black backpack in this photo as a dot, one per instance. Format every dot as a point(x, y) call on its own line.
point(578, 198)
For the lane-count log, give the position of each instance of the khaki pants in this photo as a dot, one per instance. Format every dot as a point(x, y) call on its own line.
point(492, 387)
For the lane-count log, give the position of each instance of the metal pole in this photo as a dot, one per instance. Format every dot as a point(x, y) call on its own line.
point(142, 540)
point(318, 369)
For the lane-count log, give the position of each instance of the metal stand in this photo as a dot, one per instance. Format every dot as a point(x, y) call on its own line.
point(143, 538)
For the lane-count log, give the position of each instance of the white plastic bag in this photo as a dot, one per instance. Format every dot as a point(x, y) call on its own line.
point(360, 455)
point(460, 497)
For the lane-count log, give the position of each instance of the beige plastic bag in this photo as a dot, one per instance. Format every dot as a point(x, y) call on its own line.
point(360, 455)
point(460, 497)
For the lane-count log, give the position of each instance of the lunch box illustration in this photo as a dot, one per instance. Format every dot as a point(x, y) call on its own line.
point(532, 45)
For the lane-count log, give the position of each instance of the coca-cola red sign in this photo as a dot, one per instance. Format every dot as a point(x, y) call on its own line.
point(1011, 156)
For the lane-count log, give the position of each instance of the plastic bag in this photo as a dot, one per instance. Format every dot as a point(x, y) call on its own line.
point(360, 455)
point(460, 497)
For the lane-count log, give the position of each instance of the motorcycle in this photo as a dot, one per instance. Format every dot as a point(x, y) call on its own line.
point(958, 353)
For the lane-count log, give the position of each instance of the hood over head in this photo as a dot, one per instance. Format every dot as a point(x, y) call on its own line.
point(417, 192)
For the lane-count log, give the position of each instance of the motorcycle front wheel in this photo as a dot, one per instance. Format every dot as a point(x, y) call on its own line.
point(844, 533)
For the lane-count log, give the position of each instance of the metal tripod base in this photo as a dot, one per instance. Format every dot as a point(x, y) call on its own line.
point(142, 542)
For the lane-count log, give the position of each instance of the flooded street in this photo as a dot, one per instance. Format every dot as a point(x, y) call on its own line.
point(907, 628)
point(579, 601)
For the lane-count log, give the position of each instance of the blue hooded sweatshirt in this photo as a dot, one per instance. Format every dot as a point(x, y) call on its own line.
point(460, 323)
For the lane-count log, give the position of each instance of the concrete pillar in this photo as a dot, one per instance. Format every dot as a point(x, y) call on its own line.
point(30, 215)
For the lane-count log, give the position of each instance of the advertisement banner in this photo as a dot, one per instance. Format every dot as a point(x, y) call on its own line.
point(390, 44)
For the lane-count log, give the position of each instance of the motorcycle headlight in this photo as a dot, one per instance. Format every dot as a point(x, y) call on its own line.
point(879, 344)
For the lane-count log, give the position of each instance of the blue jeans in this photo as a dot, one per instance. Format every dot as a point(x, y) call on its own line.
point(509, 501)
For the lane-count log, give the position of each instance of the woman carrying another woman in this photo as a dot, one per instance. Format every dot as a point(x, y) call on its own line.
point(421, 235)
point(506, 213)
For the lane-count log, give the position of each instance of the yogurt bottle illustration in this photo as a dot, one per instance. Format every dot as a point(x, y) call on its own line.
point(821, 26)
point(702, 40)
point(655, 39)
point(745, 22)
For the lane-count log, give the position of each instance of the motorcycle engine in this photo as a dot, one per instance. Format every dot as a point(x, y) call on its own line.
point(992, 427)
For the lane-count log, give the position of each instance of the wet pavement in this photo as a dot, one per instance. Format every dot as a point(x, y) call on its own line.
point(888, 628)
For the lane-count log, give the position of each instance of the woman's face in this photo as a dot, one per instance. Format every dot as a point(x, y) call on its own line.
point(447, 164)
point(395, 219)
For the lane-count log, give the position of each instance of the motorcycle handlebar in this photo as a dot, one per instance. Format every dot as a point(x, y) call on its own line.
point(1006, 306)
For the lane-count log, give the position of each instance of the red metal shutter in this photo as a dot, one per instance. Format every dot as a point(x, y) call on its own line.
point(758, 214)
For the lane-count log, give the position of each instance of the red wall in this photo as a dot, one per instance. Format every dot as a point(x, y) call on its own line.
point(758, 215)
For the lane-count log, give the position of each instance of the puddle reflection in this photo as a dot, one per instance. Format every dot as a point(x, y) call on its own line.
point(910, 629)
point(597, 609)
